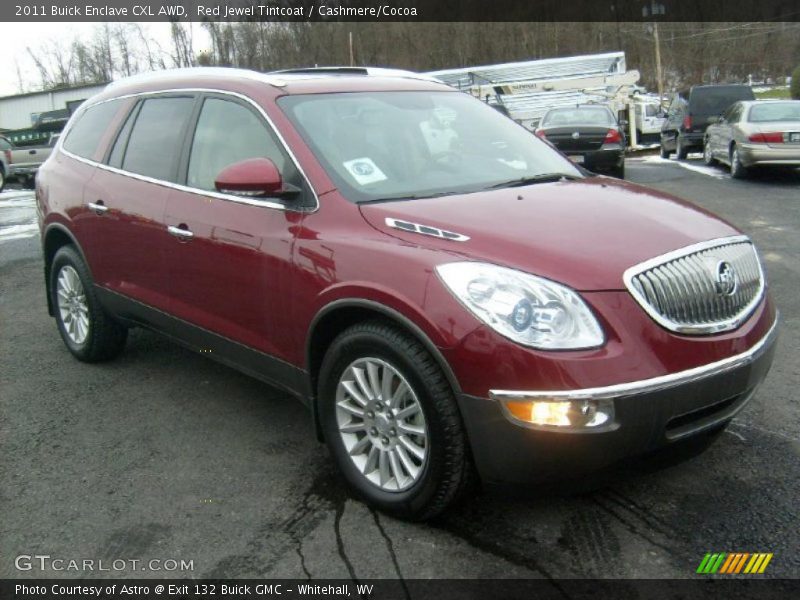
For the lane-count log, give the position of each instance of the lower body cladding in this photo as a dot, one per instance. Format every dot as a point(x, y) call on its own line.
point(625, 420)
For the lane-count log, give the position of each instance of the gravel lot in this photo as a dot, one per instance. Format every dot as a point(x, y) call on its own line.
point(164, 454)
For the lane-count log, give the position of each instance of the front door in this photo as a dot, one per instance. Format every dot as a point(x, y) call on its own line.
point(230, 257)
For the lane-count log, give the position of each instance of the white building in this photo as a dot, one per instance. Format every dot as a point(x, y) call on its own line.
point(22, 110)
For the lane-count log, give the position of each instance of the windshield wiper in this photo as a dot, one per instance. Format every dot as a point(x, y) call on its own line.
point(411, 197)
point(541, 178)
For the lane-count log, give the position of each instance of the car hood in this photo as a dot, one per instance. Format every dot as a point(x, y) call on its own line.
point(582, 233)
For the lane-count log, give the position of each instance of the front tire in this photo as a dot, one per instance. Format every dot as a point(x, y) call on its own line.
point(90, 334)
point(390, 419)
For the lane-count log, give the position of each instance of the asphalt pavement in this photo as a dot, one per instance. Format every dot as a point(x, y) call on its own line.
point(164, 454)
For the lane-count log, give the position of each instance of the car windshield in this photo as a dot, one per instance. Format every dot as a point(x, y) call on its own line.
point(776, 112)
point(579, 116)
point(415, 144)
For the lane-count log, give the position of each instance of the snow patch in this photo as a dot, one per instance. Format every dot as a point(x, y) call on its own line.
point(715, 172)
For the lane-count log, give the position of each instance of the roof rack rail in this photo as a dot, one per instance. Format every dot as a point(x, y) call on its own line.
point(192, 72)
point(364, 71)
point(324, 71)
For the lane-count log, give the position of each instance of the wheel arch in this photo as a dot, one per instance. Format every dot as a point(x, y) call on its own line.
point(56, 236)
point(340, 314)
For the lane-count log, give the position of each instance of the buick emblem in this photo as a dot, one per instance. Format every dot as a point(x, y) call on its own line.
point(362, 168)
point(725, 279)
point(576, 135)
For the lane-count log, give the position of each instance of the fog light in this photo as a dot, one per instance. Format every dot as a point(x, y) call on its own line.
point(557, 413)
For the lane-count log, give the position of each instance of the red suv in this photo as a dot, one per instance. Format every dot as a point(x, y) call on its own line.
point(446, 292)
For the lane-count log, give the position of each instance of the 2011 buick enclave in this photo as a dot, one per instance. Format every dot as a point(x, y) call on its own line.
point(445, 291)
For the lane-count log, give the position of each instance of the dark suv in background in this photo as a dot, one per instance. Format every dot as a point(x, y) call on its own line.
point(691, 111)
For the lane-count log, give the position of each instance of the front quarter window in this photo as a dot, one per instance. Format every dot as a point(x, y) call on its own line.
point(393, 145)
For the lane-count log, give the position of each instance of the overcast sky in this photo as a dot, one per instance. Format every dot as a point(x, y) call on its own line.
point(17, 37)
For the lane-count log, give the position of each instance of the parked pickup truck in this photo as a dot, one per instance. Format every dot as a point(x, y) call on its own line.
point(5, 160)
point(25, 161)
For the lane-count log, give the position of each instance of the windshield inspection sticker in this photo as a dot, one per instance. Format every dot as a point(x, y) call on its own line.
point(364, 171)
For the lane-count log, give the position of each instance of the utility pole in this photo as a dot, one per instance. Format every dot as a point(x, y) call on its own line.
point(352, 61)
point(659, 75)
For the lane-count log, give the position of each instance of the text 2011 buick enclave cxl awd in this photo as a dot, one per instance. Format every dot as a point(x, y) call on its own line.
point(446, 292)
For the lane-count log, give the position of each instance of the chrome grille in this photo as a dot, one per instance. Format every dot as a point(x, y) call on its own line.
point(705, 288)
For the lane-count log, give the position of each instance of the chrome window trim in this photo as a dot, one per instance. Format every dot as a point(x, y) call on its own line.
point(710, 328)
point(185, 188)
point(653, 384)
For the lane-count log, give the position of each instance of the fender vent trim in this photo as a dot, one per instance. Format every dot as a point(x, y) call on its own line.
point(426, 230)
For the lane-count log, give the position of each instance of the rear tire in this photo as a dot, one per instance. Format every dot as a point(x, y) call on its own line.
point(88, 331)
point(681, 151)
point(738, 170)
point(619, 172)
point(664, 152)
point(414, 478)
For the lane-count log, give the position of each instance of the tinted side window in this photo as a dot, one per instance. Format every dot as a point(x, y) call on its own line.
point(226, 133)
point(729, 114)
point(678, 103)
point(85, 134)
point(713, 100)
point(155, 141)
point(117, 153)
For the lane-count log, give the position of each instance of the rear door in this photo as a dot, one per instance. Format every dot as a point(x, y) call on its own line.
point(128, 196)
point(229, 259)
point(718, 132)
point(726, 129)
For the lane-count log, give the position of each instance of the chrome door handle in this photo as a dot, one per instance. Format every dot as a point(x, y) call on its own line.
point(97, 207)
point(180, 232)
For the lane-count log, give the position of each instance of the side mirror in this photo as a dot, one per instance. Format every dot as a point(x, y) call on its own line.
point(253, 177)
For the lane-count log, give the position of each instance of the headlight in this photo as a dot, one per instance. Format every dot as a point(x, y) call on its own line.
point(530, 310)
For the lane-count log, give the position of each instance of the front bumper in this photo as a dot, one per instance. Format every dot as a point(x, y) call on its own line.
point(648, 414)
point(761, 154)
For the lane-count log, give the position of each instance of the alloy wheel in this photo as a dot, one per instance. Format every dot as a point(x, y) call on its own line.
point(72, 306)
point(382, 425)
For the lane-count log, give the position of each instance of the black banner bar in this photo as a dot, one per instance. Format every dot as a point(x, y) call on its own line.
point(709, 588)
point(400, 10)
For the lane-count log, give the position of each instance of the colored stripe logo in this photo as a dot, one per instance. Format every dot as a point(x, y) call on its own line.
point(734, 563)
